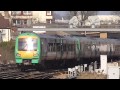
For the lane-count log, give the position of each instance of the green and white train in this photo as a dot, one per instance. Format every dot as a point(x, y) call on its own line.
point(33, 49)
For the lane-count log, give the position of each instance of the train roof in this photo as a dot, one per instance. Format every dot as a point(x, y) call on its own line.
point(73, 38)
point(56, 36)
point(46, 36)
point(97, 40)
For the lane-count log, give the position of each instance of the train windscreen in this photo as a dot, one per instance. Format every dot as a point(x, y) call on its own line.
point(27, 44)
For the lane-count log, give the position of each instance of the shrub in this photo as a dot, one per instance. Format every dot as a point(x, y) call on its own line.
point(7, 51)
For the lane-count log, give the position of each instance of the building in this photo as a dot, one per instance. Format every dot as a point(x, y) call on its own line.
point(27, 18)
point(42, 16)
point(105, 19)
point(5, 31)
point(62, 20)
point(96, 21)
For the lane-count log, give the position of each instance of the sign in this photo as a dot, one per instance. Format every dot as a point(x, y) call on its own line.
point(39, 26)
point(39, 31)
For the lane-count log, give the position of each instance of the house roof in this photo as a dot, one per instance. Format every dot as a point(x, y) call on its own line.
point(4, 23)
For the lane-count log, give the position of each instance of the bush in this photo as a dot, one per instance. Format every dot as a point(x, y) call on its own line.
point(7, 51)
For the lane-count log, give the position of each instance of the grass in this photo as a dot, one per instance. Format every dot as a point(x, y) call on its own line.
point(88, 75)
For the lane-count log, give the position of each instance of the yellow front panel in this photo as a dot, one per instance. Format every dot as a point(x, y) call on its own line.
point(27, 37)
point(27, 54)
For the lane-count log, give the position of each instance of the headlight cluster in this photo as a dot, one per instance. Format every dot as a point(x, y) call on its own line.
point(35, 54)
point(18, 55)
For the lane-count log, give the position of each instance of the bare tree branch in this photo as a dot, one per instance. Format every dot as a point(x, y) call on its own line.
point(84, 15)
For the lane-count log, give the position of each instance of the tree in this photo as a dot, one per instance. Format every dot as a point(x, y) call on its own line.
point(116, 13)
point(84, 15)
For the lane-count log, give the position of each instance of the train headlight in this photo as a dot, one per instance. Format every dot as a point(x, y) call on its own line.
point(35, 54)
point(18, 55)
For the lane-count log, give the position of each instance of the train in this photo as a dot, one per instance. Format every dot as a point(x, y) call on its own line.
point(33, 49)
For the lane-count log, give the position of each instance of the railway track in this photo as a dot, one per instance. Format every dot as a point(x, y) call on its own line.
point(11, 72)
point(7, 67)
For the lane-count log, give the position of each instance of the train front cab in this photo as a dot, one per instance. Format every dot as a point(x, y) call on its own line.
point(27, 50)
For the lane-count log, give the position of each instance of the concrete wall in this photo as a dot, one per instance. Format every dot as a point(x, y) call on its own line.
point(6, 35)
point(37, 15)
point(41, 16)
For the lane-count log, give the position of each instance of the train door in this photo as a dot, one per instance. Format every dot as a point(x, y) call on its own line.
point(43, 48)
point(51, 54)
point(113, 48)
point(82, 49)
point(110, 53)
point(87, 49)
point(97, 51)
point(108, 49)
point(63, 49)
point(73, 49)
point(77, 51)
point(117, 49)
point(58, 49)
point(69, 48)
point(93, 47)
point(103, 48)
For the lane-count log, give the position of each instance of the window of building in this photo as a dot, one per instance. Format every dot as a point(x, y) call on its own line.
point(18, 22)
point(27, 12)
point(16, 13)
point(14, 22)
point(48, 13)
point(24, 21)
point(48, 20)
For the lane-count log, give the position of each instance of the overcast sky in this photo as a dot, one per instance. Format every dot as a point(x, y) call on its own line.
point(104, 12)
point(100, 12)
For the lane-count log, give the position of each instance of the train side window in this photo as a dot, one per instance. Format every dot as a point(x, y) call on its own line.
point(58, 46)
point(72, 47)
point(51, 45)
point(43, 45)
point(64, 45)
point(69, 47)
point(117, 47)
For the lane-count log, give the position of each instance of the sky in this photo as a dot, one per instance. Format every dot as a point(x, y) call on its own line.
point(99, 13)
point(104, 12)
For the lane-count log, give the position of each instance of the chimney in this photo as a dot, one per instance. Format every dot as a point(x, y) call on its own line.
point(6, 14)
